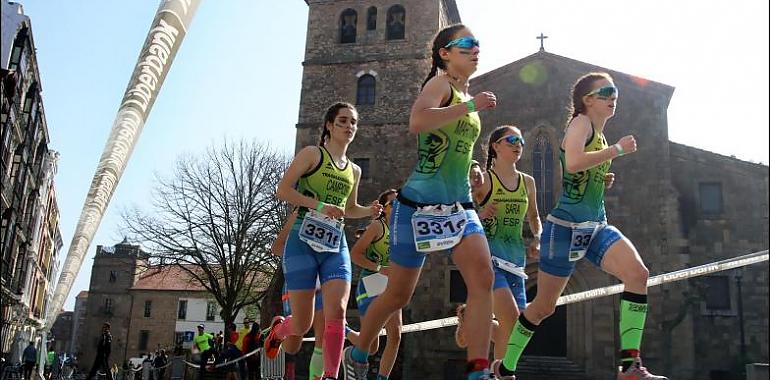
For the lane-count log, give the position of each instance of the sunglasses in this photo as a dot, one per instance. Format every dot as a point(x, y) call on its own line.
point(604, 92)
point(513, 140)
point(463, 43)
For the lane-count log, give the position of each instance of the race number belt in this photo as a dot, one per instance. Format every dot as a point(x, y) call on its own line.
point(374, 285)
point(438, 227)
point(509, 267)
point(321, 232)
point(582, 234)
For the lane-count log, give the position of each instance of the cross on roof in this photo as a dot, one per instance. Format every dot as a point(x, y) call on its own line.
point(542, 38)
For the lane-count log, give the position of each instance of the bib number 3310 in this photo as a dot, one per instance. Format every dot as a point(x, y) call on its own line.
point(320, 232)
point(435, 229)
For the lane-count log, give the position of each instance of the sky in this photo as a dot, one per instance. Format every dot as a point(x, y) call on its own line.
point(238, 74)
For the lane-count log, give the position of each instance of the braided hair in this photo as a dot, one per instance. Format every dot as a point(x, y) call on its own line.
point(329, 117)
point(493, 137)
point(442, 39)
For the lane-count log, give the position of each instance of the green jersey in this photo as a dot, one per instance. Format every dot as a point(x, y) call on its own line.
point(327, 183)
point(582, 196)
point(444, 158)
point(378, 250)
point(503, 230)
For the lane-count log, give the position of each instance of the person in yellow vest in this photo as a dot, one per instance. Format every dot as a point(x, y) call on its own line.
point(202, 342)
point(242, 371)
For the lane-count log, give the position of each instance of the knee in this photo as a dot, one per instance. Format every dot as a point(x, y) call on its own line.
point(637, 275)
point(397, 300)
point(334, 312)
point(480, 280)
point(301, 325)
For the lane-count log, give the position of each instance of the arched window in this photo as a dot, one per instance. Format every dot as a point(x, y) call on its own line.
point(371, 18)
point(396, 23)
point(367, 86)
point(542, 171)
point(348, 21)
point(18, 47)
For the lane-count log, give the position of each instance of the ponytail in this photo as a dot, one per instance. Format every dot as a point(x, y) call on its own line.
point(442, 38)
point(324, 135)
point(582, 87)
point(491, 154)
point(431, 74)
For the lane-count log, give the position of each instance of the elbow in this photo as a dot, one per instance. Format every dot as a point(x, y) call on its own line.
point(415, 125)
point(281, 193)
point(572, 168)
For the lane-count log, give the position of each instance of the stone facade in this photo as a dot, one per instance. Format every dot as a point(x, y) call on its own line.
point(30, 239)
point(78, 322)
point(658, 185)
point(61, 332)
point(113, 274)
point(142, 304)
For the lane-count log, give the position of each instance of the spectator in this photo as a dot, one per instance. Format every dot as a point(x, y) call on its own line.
point(29, 357)
point(251, 342)
point(161, 359)
point(203, 342)
point(103, 349)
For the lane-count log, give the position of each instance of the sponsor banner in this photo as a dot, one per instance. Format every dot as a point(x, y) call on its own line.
point(166, 33)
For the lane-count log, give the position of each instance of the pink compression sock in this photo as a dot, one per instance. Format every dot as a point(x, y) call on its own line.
point(334, 340)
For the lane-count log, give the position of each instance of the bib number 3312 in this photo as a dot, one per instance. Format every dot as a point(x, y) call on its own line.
point(320, 232)
point(438, 228)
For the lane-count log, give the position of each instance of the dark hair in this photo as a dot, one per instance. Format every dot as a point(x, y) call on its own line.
point(442, 38)
point(493, 137)
point(383, 199)
point(582, 87)
point(254, 329)
point(329, 117)
point(106, 324)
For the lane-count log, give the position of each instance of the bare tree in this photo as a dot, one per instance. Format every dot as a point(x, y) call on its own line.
point(216, 218)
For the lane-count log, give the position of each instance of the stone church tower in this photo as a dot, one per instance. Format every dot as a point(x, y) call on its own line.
point(116, 269)
point(666, 199)
point(374, 54)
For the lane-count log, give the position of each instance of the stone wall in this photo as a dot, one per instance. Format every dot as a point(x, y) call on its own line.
point(740, 228)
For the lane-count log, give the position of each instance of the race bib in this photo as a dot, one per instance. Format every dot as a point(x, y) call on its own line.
point(375, 284)
point(320, 232)
point(582, 235)
point(438, 227)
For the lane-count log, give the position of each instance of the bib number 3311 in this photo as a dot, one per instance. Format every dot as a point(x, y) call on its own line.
point(320, 232)
point(438, 228)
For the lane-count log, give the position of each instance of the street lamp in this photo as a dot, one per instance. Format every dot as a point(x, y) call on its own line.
point(738, 277)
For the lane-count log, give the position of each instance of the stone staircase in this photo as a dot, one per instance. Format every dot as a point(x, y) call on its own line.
point(548, 368)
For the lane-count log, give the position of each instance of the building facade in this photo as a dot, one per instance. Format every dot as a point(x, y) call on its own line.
point(680, 206)
point(30, 238)
point(149, 308)
point(61, 333)
point(78, 322)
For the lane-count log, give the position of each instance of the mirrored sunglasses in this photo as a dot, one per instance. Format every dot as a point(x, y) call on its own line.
point(604, 92)
point(463, 43)
point(513, 140)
